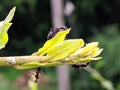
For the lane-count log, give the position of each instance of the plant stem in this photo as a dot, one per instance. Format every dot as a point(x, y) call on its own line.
point(105, 83)
point(18, 60)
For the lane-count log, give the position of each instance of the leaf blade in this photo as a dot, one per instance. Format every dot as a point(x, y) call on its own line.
point(53, 42)
point(4, 26)
point(64, 49)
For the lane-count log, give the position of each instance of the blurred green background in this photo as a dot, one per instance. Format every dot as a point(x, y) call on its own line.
point(94, 20)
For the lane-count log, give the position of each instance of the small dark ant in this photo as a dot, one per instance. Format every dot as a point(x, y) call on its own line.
point(37, 74)
point(81, 65)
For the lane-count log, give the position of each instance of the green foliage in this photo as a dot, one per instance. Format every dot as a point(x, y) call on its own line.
point(4, 26)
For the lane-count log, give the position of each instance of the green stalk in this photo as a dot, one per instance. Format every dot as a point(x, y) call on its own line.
point(96, 75)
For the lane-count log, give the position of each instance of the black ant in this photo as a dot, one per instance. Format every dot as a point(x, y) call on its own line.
point(37, 74)
point(76, 66)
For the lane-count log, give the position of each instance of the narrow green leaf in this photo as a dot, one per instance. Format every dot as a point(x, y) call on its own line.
point(4, 35)
point(4, 26)
point(10, 15)
point(28, 65)
point(36, 65)
point(53, 42)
